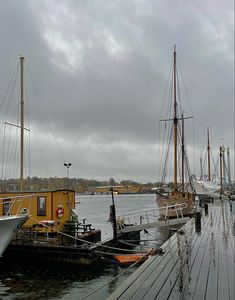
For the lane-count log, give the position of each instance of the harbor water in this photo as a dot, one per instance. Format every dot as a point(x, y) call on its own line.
point(53, 281)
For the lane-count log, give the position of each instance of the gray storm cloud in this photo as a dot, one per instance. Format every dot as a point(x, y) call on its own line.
point(100, 68)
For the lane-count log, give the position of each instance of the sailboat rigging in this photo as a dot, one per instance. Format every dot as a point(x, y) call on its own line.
point(207, 185)
point(179, 194)
point(21, 126)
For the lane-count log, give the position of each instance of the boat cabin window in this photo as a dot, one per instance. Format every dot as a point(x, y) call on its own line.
point(6, 206)
point(41, 206)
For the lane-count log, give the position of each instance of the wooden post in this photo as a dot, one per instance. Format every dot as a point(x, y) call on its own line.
point(197, 217)
point(113, 216)
point(206, 209)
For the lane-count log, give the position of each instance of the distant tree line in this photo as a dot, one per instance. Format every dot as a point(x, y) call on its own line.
point(80, 185)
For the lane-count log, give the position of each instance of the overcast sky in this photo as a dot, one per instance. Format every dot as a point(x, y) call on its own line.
point(99, 70)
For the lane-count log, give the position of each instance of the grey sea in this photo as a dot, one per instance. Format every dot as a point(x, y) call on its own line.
point(52, 281)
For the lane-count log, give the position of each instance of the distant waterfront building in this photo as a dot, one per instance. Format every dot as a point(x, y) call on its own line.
point(120, 189)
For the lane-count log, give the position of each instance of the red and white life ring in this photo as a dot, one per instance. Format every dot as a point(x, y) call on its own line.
point(60, 211)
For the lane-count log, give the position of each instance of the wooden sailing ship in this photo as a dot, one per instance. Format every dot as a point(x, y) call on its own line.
point(181, 193)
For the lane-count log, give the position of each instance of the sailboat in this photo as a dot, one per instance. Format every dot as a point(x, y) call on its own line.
point(12, 215)
point(181, 193)
point(205, 187)
point(225, 188)
point(11, 220)
point(7, 226)
point(225, 184)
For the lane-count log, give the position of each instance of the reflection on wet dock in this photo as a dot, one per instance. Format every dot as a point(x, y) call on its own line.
point(196, 264)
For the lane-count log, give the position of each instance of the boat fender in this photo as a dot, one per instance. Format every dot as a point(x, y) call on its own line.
point(60, 211)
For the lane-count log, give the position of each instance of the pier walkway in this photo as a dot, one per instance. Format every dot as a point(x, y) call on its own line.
point(196, 264)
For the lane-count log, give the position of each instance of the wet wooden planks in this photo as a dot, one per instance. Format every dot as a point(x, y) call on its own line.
point(195, 265)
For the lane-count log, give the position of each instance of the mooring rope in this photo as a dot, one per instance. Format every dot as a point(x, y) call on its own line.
point(101, 287)
point(84, 241)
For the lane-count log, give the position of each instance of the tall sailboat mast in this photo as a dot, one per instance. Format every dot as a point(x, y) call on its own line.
point(221, 169)
point(228, 171)
point(21, 122)
point(201, 171)
point(175, 122)
point(208, 155)
point(183, 153)
point(224, 165)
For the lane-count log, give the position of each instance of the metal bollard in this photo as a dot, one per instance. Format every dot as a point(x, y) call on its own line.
point(197, 217)
point(206, 209)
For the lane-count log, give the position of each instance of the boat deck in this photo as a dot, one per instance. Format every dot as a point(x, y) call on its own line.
point(195, 264)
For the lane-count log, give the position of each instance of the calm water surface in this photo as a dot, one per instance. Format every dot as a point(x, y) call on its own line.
point(65, 282)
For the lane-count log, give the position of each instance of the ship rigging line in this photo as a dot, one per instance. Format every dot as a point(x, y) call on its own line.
point(11, 84)
point(44, 110)
point(84, 241)
point(161, 155)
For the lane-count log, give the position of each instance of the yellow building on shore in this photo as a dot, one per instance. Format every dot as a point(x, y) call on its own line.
point(119, 189)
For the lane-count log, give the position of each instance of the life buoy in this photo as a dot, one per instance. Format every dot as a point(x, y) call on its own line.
point(60, 211)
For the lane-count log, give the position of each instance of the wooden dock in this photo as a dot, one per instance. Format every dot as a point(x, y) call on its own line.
point(195, 264)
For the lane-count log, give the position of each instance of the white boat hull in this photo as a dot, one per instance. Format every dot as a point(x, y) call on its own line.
point(7, 226)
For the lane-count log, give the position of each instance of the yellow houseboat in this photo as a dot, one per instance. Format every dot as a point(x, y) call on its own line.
point(52, 207)
point(52, 231)
point(51, 213)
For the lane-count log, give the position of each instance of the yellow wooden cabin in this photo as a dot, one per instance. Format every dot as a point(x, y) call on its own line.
point(52, 207)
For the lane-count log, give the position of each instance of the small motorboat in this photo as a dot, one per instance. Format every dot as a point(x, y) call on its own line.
point(135, 257)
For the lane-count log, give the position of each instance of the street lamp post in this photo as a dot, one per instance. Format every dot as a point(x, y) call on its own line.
point(67, 165)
